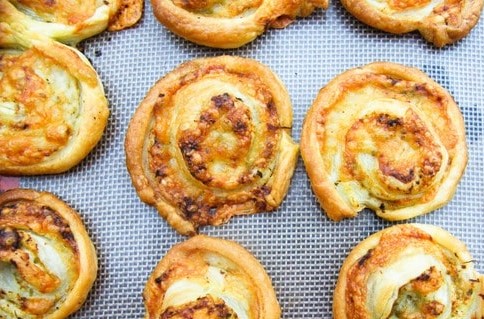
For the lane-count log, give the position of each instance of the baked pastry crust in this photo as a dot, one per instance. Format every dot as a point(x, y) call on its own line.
point(210, 278)
point(409, 271)
point(52, 105)
point(440, 22)
point(386, 137)
point(70, 21)
point(229, 24)
point(211, 140)
point(48, 260)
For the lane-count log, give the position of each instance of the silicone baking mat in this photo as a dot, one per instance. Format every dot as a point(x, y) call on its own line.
point(299, 246)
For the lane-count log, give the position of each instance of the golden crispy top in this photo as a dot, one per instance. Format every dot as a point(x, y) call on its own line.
point(39, 103)
point(47, 261)
point(219, 8)
point(210, 278)
point(68, 12)
point(216, 144)
point(40, 259)
point(439, 21)
point(387, 138)
point(229, 24)
point(403, 272)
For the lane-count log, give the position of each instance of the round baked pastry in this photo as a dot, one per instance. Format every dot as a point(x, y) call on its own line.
point(71, 21)
point(386, 137)
point(409, 271)
point(439, 21)
point(52, 105)
point(47, 261)
point(229, 24)
point(210, 278)
point(212, 140)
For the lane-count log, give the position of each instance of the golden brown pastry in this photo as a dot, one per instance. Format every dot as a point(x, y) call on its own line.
point(47, 261)
point(439, 21)
point(71, 21)
point(210, 278)
point(386, 137)
point(52, 105)
point(229, 24)
point(212, 140)
point(409, 271)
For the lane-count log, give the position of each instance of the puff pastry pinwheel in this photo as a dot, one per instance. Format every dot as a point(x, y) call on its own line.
point(70, 21)
point(47, 261)
point(212, 140)
point(440, 22)
point(409, 271)
point(52, 105)
point(210, 278)
point(229, 24)
point(386, 137)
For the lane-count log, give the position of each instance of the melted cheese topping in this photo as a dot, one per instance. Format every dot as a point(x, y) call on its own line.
point(383, 145)
point(38, 260)
point(69, 12)
point(210, 278)
point(39, 105)
point(413, 10)
point(407, 275)
point(220, 8)
point(215, 144)
point(216, 283)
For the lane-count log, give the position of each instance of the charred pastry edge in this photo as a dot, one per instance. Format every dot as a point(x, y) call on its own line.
point(106, 15)
point(436, 32)
point(141, 123)
point(87, 254)
point(226, 33)
point(329, 198)
point(439, 236)
point(93, 111)
point(264, 292)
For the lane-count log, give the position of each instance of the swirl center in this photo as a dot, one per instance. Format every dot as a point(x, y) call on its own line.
point(394, 155)
point(216, 149)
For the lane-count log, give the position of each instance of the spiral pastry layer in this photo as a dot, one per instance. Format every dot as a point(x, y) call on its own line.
point(211, 140)
point(47, 261)
point(409, 271)
point(70, 21)
point(52, 105)
point(229, 24)
point(440, 22)
point(207, 277)
point(386, 137)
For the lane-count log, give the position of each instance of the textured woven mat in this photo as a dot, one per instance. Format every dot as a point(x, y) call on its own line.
point(301, 249)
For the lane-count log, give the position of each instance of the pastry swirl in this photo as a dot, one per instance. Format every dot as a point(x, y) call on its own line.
point(71, 21)
point(386, 137)
point(212, 140)
point(229, 24)
point(409, 271)
point(440, 22)
point(47, 261)
point(52, 105)
point(210, 278)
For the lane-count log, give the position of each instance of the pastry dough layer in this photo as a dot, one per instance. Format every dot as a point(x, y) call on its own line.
point(229, 24)
point(439, 21)
point(52, 106)
point(71, 21)
point(47, 261)
point(386, 137)
point(409, 271)
point(210, 278)
point(211, 140)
